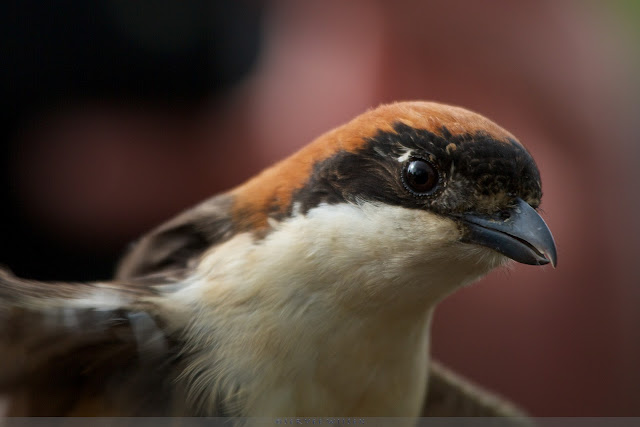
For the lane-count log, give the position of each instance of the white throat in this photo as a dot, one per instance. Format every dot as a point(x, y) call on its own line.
point(315, 311)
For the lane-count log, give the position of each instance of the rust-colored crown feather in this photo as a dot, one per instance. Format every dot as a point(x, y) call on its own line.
point(271, 191)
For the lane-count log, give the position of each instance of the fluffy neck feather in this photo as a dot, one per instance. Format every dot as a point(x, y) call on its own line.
point(303, 322)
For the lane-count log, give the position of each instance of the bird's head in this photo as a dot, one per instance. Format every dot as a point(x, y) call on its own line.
point(409, 192)
point(436, 188)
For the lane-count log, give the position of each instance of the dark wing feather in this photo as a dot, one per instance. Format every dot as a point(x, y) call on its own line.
point(449, 395)
point(63, 353)
point(176, 245)
point(100, 348)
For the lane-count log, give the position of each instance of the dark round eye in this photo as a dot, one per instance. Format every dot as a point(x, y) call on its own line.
point(420, 177)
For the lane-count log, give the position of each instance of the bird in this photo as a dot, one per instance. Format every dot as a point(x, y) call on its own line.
point(308, 290)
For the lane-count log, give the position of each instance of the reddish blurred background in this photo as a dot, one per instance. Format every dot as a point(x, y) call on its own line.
point(119, 114)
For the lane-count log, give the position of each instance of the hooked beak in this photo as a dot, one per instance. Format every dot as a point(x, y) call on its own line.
point(523, 236)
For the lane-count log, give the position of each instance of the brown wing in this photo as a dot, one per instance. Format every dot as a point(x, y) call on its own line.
point(176, 245)
point(82, 350)
point(449, 395)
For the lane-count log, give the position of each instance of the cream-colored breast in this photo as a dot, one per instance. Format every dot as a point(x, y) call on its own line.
point(326, 316)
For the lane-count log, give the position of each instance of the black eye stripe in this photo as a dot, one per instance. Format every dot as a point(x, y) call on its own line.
point(420, 177)
point(483, 167)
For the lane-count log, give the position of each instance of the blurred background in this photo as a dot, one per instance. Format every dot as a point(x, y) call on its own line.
point(118, 115)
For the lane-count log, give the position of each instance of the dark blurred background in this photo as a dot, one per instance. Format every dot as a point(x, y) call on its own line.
point(116, 115)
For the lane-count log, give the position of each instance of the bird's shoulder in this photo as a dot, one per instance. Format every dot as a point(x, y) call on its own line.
point(170, 250)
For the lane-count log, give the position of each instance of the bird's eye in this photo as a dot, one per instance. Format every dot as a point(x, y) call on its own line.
point(420, 177)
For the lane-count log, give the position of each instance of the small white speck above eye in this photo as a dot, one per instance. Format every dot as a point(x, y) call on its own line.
point(405, 156)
